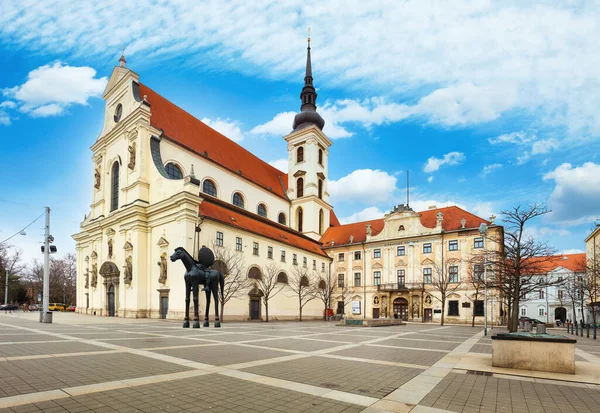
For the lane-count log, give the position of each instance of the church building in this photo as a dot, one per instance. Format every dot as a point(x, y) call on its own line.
point(164, 179)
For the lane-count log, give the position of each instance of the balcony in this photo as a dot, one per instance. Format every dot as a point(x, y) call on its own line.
point(399, 287)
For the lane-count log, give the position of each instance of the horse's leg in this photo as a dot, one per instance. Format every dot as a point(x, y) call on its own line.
point(196, 320)
point(206, 323)
point(186, 320)
point(215, 290)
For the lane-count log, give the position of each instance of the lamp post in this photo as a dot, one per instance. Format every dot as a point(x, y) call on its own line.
point(483, 231)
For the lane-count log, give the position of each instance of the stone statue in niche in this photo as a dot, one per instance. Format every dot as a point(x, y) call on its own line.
point(439, 217)
point(428, 300)
point(110, 248)
point(131, 149)
point(94, 275)
point(463, 222)
point(376, 300)
point(351, 239)
point(163, 269)
point(128, 271)
point(87, 278)
point(415, 307)
point(384, 306)
point(369, 231)
point(97, 178)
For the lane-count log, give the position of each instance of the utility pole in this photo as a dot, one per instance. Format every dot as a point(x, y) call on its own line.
point(6, 288)
point(46, 316)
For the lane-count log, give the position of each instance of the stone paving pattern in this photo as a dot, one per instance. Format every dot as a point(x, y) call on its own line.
point(155, 365)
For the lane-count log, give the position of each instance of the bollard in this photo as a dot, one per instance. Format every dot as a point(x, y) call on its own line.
point(581, 330)
point(595, 331)
point(588, 330)
point(576, 329)
point(568, 328)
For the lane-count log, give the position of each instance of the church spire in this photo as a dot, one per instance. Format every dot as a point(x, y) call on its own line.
point(308, 111)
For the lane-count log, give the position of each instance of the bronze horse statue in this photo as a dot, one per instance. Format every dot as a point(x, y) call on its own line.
point(198, 272)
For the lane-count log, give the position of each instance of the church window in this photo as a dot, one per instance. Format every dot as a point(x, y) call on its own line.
point(300, 187)
point(281, 219)
point(173, 171)
point(238, 200)
point(300, 219)
point(320, 189)
point(209, 188)
point(255, 248)
point(114, 202)
point(321, 156)
point(118, 113)
point(219, 238)
point(322, 267)
point(282, 255)
point(262, 210)
point(320, 221)
point(270, 253)
point(295, 259)
point(238, 244)
point(315, 265)
point(304, 263)
point(300, 154)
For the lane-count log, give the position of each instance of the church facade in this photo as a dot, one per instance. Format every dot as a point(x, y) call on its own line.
point(164, 179)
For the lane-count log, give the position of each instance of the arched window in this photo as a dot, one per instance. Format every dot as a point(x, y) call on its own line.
point(282, 278)
point(321, 156)
point(173, 171)
point(299, 219)
point(208, 187)
point(254, 273)
point(300, 187)
point(281, 219)
point(300, 154)
point(114, 191)
point(320, 221)
point(304, 281)
point(238, 200)
point(262, 210)
point(320, 189)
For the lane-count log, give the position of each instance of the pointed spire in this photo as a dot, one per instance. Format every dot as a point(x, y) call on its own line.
point(308, 111)
point(122, 59)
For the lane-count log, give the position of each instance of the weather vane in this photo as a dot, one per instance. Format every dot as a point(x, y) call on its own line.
point(308, 34)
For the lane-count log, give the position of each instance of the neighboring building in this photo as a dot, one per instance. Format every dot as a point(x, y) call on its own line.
point(592, 251)
point(561, 298)
point(390, 266)
point(158, 171)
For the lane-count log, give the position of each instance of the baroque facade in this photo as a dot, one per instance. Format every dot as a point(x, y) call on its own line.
point(399, 265)
point(164, 179)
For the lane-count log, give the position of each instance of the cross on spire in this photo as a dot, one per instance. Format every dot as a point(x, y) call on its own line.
point(122, 59)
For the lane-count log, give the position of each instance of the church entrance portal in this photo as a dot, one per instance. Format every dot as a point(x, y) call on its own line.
point(111, 300)
point(401, 308)
point(560, 314)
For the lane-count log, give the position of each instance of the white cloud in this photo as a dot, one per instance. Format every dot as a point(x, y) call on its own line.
point(8, 104)
point(544, 146)
point(280, 125)
point(366, 214)
point(519, 138)
point(462, 62)
point(489, 168)
point(430, 179)
point(363, 185)
point(483, 209)
point(576, 194)
point(572, 251)
point(452, 158)
point(227, 127)
point(281, 164)
point(4, 118)
point(50, 90)
point(418, 204)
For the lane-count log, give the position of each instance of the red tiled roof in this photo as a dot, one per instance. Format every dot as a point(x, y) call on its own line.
point(451, 222)
point(572, 262)
point(333, 219)
point(184, 129)
point(217, 210)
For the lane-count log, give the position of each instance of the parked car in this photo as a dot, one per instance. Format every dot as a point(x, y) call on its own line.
point(72, 308)
point(9, 307)
point(34, 307)
point(57, 307)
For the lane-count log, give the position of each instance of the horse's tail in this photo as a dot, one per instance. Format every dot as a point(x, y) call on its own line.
point(222, 285)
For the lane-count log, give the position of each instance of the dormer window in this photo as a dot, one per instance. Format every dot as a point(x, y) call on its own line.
point(118, 113)
point(300, 154)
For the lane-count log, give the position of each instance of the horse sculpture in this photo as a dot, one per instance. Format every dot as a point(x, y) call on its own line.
point(198, 272)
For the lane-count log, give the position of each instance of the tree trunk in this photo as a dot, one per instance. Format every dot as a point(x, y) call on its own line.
point(514, 316)
point(222, 308)
point(267, 311)
point(443, 307)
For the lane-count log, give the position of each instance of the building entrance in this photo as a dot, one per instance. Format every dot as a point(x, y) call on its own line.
point(401, 308)
point(111, 300)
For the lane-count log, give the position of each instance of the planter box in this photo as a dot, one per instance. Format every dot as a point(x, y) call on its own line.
point(539, 352)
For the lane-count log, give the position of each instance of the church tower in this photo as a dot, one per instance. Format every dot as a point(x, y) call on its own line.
point(308, 151)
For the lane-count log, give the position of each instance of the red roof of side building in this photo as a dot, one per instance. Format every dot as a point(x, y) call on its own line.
point(227, 214)
point(451, 222)
point(181, 127)
point(572, 262)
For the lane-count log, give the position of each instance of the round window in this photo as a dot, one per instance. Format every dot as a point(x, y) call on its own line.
point(118, 112)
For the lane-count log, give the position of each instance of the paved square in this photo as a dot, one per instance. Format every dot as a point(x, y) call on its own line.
point(95, 364)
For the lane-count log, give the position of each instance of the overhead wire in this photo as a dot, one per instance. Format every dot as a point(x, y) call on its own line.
point(18, 232)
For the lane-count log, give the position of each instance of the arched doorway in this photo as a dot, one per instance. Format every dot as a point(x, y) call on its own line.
point(110, 299)
point(401, 308)
point(255, 296)
point(560, 313)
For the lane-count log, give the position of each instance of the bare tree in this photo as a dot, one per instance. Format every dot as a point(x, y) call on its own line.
point(325, 291)
point(345, 296)
point(521, 262)
point(592, 275)
point(269, 283)
point(445, 280)
point(304, 286)
point(231, 264)
point(11, 265)
point(475, 281)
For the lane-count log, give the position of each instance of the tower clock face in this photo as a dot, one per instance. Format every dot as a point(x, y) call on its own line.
point(118, 112)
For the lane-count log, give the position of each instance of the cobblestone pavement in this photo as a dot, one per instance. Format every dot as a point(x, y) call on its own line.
point(92, 364)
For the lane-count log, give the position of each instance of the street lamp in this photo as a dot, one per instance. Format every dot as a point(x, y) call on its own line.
point(483, 231)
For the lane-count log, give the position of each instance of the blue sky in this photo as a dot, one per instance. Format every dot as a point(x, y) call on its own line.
point(488, 104)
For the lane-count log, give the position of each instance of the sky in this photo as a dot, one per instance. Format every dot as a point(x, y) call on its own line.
point(488, 105)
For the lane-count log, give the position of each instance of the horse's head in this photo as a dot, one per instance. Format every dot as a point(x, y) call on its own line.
point(179, 252)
